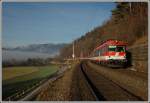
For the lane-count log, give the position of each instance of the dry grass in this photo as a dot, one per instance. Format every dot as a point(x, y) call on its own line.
point(142, 40)
point(139, 52)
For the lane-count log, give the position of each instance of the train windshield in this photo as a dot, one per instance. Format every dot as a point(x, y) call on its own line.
point(120, 49)
point(117, 48)
point(112, 48)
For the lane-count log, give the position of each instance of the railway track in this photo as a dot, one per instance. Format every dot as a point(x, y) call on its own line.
point(96, 94)
point(104, 89)
point(84, 83)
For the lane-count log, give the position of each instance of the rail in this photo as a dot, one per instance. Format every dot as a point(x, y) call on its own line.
point(97, 95)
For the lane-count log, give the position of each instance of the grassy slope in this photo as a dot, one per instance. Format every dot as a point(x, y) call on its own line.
point(11, 72)
point(35, 73)
point(25, 81)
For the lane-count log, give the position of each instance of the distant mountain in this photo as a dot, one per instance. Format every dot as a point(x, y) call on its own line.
point(39, 48)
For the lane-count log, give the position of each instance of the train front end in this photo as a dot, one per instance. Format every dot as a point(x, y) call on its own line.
point(116, 54)
point(110, 52)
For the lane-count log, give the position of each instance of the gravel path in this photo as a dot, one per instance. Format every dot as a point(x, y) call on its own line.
point(71, 87)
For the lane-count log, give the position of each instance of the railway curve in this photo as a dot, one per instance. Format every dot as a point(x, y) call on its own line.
point(105, 89)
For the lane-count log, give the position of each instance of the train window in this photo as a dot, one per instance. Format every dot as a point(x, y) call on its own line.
point(120, 49)
point(112, 48)
point(104, 49)
point(97, 53)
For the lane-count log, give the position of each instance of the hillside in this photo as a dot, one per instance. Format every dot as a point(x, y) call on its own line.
point(139, 51)
point(129, 22)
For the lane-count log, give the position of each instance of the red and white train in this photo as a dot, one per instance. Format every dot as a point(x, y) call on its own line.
point(110, 52)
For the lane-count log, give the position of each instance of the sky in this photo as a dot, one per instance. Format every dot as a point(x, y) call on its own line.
point(25, 23)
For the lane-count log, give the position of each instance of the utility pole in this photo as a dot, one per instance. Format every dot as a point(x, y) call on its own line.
point(73, 56)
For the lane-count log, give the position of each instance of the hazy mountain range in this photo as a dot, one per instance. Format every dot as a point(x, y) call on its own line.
point(38, 48)
point(31, 51)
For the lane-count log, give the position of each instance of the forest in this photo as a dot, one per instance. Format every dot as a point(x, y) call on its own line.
point(128, 22)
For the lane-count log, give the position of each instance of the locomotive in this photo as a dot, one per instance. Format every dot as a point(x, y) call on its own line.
point(110, 52)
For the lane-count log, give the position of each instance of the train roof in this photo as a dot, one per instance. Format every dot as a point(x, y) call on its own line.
point(111, 42)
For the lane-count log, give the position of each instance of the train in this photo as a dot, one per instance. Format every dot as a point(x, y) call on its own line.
point(110, 52)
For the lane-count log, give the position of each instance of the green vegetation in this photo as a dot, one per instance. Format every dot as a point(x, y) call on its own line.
point(11, 72)
point(129, 22)
point(23, 73)
point(19, 81)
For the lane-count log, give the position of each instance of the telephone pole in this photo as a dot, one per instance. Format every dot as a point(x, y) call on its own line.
point(73, 55)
